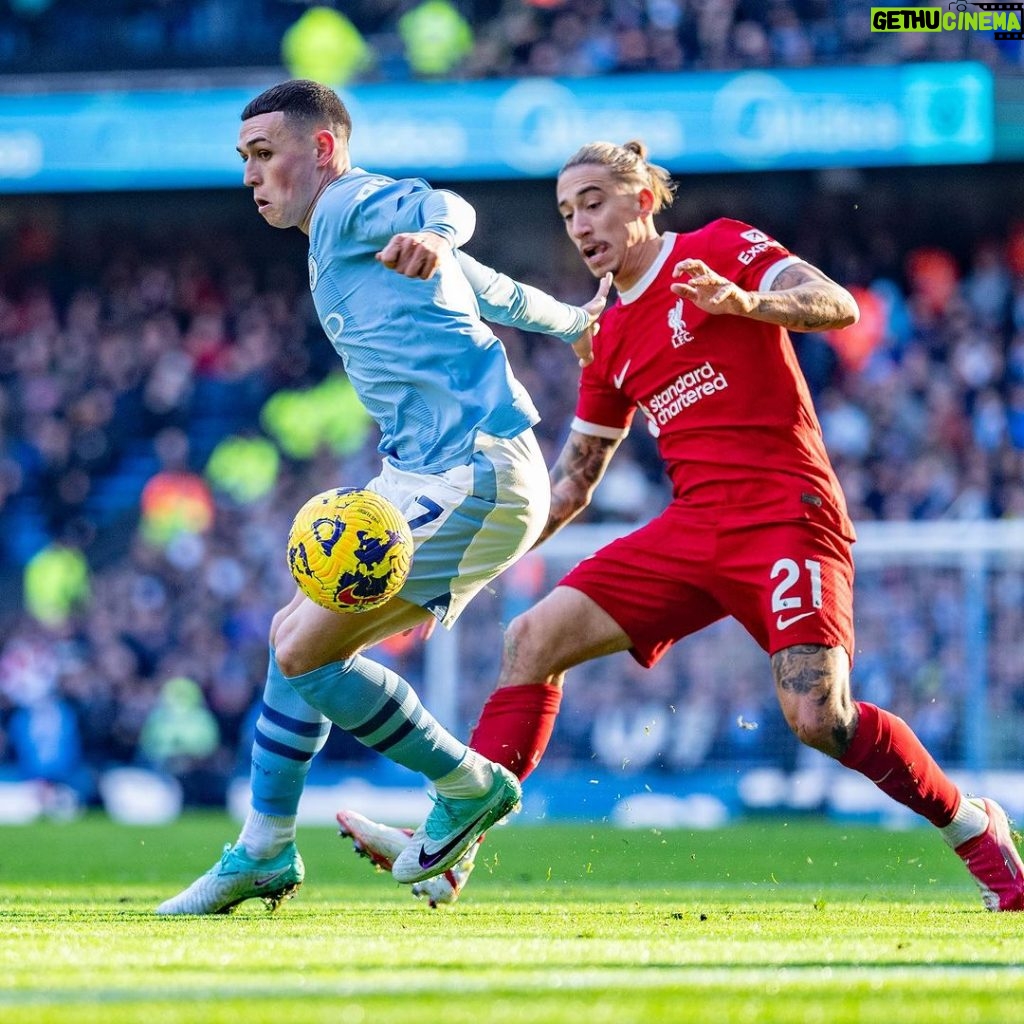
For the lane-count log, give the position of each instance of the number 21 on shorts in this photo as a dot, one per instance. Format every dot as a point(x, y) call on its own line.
point(798, 592)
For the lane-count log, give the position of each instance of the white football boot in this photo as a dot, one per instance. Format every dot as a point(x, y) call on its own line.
point(381, 844)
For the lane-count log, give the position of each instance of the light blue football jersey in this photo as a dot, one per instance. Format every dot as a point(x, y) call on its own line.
point(428, 370)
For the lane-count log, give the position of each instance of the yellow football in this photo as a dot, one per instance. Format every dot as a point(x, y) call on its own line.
point(349, 549)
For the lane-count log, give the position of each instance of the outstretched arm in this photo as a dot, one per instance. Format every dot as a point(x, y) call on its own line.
point(506, 301)
point(801, 298)
point(576, 473)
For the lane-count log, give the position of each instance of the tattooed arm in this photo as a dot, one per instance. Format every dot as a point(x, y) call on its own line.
point(580, 466)
point(801, 298)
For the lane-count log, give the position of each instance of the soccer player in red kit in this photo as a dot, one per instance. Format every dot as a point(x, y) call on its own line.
point(757, 527)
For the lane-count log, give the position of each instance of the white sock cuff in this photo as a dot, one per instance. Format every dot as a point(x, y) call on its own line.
point(969, 821)
point(472, 778)
point(266, 835)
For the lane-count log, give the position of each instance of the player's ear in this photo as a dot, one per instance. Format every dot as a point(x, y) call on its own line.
point(326, 146)
point(645, 201)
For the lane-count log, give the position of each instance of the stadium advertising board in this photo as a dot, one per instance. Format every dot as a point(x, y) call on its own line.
point(878, 116)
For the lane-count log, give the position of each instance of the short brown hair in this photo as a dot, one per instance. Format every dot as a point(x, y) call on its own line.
point(628, 164)
point(303, 100)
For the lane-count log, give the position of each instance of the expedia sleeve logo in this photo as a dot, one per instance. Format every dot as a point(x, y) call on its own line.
point(761, 243)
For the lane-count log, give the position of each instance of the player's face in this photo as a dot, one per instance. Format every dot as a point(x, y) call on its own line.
point(281, 168)
point(604, 217)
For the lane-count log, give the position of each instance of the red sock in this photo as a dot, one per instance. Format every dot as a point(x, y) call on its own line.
point(885, 749)
point(516, 724)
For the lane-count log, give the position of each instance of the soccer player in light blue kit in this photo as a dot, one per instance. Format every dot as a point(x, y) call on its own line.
point(403, 310)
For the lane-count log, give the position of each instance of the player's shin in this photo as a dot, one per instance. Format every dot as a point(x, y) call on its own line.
point(381, 710)
point(288, 735)
point(515, 725)
point(886, 750)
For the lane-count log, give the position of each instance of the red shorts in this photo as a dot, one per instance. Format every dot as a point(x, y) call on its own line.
point(786, 583)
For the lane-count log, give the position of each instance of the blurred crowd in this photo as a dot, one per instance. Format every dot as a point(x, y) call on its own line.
point(167, 401)
point(388, 40)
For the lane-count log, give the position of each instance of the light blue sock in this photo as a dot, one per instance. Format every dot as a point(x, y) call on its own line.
point(289, 733)
point(381, 710)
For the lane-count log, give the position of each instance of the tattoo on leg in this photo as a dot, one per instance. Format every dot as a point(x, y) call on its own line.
point(813, 685)
point(843, 734)
point(508, 660)
point(794, 672)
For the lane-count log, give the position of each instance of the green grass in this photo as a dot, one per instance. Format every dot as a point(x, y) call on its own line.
point(763, 921)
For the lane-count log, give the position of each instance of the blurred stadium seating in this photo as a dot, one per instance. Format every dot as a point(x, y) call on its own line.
point(511, 38)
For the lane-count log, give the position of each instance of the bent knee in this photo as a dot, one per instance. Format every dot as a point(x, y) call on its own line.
point(527, 652)
point(521, 631)
point(813, 734)
point(294, 653)
point(825, 722)
point(290, 659)
point(831, 734)
point(276, 623)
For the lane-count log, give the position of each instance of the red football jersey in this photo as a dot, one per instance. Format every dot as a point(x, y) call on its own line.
point(724, 395)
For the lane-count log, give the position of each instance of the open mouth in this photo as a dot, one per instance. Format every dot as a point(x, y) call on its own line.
point(593, 251)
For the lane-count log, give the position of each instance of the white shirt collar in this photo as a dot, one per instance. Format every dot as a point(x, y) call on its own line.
point(668, 240)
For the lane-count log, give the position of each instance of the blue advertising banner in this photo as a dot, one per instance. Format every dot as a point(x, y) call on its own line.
point(752, 120)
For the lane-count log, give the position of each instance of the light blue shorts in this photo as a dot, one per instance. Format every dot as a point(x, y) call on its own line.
point(469, 523)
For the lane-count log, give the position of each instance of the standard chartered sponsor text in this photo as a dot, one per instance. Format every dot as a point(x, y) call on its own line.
point(686, 390)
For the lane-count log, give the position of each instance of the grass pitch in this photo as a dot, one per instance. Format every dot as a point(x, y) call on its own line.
point(762, 921)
